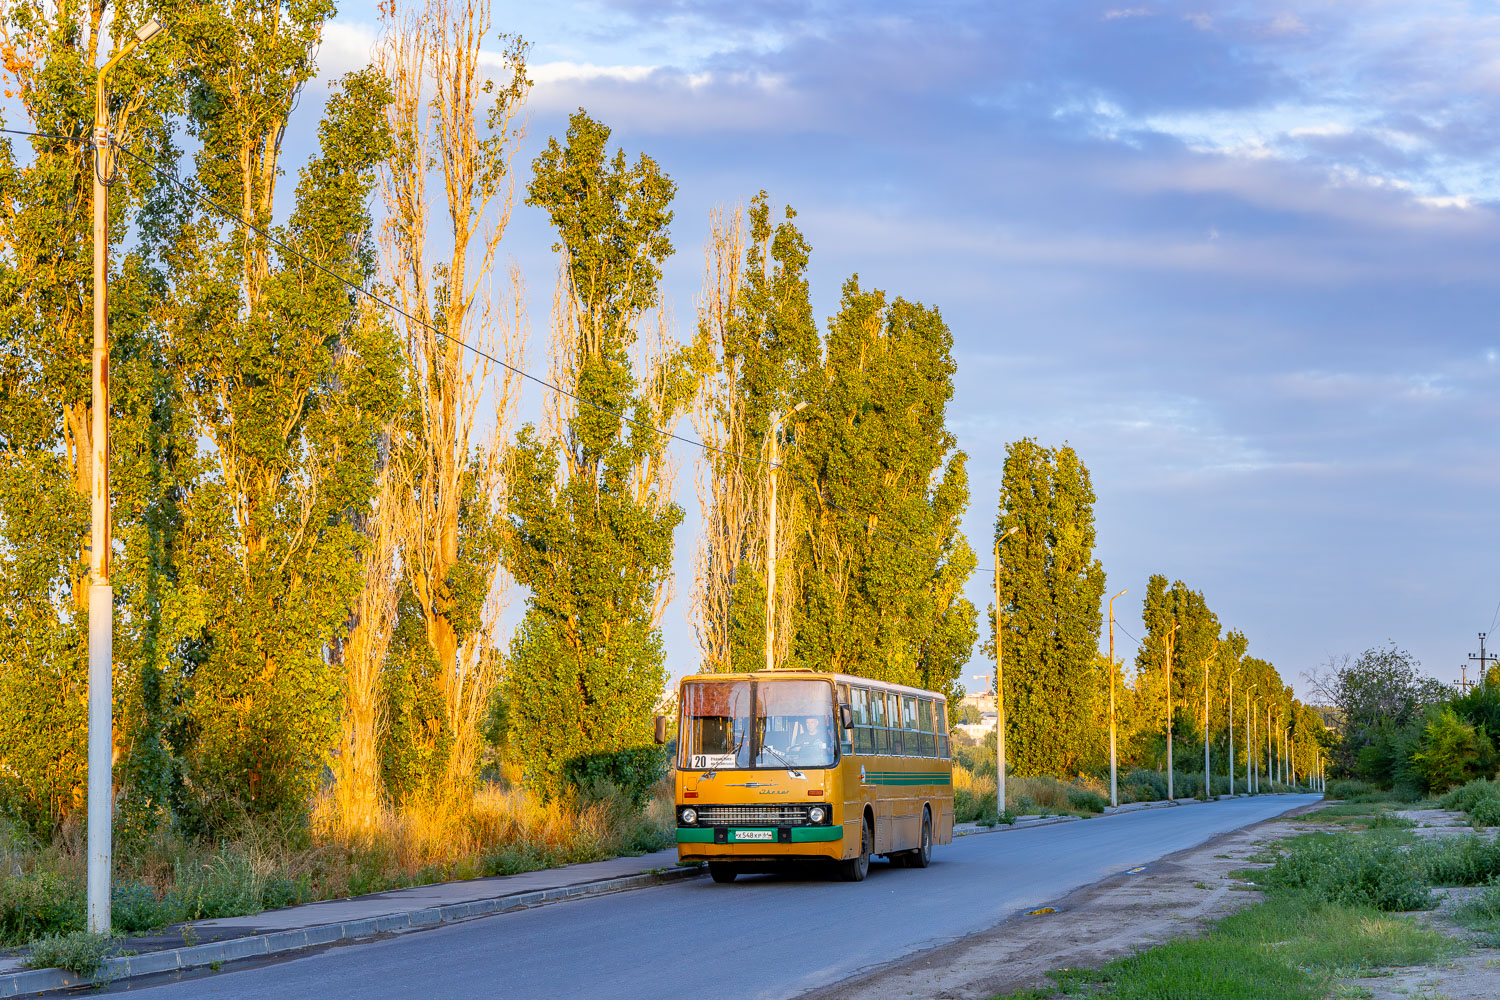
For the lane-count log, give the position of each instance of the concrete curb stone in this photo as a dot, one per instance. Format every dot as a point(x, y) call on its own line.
point(197, 956)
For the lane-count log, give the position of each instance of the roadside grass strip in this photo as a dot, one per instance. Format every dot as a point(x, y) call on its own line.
point(1334, 909)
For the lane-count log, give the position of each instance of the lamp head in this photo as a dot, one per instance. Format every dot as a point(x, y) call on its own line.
point(148, 31)
point(799, 407)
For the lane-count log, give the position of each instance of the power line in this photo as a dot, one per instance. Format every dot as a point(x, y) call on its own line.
point(229, 214)
point(194, 192)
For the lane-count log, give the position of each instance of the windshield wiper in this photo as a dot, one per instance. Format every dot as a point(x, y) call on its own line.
point(772, 750)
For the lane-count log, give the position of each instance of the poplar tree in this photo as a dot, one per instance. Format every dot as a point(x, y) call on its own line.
point(288, 382)
point(757, 320)
point(51, 54)
point(1050, 587)
point(881, 563)
point(591, 513)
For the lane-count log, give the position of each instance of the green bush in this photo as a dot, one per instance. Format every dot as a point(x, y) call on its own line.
point(631, 771)
point(39, 903)
point(1486, 812)
point(1470, 860)
point(75, 951)
point(1086, 801)
point(134, 907)
point(1352, 791)
point(1452, 751)
point(1145, 786)
point(1465, 798)
point(1362, 871)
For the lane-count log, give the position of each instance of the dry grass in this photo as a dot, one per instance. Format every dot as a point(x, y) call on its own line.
point(498, 831)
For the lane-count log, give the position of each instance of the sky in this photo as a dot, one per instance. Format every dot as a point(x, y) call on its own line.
point(1242, 257)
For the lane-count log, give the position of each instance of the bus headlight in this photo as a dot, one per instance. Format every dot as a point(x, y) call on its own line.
point(817, 814)
point(689, 816)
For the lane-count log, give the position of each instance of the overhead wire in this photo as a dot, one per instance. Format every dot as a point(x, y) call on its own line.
point(199, 195)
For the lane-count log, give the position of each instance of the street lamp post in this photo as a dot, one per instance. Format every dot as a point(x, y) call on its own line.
point(776, 419)
point(1114, 791)
point(101, 594)
point(1208, 774)
point(1251, 771)
point(1229, 707)
point(1000, 683)
point(1171, 645)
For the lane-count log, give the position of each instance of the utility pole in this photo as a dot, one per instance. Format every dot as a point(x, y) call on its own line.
point(1208, 774)
point(1171, 646)
point(1114, 791)
point(1230, 709)
point(1484, 672)
point(1251, 772)
point(1000, 682)
point(1463, 680)
point(776, 419)
point(100, 842)
point(1270, 749)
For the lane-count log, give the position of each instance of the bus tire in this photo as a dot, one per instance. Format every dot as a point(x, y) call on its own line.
point(722, 871)
point(922, 856)
point(856, 868)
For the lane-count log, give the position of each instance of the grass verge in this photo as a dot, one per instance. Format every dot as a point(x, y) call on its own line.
point(1332, 910)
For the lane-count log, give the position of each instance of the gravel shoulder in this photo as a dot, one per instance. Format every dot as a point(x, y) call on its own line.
point(1086, 928)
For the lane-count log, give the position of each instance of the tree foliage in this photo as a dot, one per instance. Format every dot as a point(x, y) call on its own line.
point(880, 562)
point(1049, 619)
point(591, 513)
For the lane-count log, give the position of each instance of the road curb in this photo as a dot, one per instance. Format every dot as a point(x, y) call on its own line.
point(1028, 823)
point(20, 984)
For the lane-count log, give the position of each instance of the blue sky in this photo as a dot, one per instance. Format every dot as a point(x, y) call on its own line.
point(1242, 257)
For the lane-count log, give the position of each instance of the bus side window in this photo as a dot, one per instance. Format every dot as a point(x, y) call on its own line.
point(878, 716)
point(864, 731)
point(846, 736)
point(899, 745)
point(940, 718)
point(924, 723)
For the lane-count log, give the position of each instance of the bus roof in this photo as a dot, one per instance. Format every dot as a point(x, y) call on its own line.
point(791, 673)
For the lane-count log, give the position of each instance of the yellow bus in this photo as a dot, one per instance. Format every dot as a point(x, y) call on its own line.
point(784, 766)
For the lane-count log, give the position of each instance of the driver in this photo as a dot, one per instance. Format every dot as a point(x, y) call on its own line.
point(814, 732)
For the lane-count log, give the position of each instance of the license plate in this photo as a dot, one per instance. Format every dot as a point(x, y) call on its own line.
point(741, 836)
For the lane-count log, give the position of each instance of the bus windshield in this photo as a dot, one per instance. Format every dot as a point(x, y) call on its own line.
point(793, 725)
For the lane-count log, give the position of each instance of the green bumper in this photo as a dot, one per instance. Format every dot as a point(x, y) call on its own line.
point(800, 834)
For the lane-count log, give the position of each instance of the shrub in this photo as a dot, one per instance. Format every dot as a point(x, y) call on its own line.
point(632, 771)
point(134, 907)
point(76, 951)
point(1086, 800)
point(39, 903)
point(1486, 812)
point(1361, 871)
point(1352, 791)
point(1470, 860)
point(1452, 751)
point(1464, 799)
point(1145, 786)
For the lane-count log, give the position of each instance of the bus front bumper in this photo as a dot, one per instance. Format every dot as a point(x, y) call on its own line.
point(758, 835)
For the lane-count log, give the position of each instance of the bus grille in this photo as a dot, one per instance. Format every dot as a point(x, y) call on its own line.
point(761, 815)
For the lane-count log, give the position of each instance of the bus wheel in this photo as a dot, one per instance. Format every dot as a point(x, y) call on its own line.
point(922, 856)
point(722, 871)
point(855, 869)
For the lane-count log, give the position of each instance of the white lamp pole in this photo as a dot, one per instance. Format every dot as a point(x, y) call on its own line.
point(1000, 683)
point(100, 851)
point(1114, 791)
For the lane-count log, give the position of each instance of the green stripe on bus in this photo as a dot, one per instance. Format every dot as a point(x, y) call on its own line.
point(800, 834)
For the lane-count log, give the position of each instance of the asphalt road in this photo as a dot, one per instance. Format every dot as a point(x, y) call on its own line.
point(761, 938)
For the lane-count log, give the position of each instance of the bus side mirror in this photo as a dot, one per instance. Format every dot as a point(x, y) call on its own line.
point(846, 716)
point(661, 729)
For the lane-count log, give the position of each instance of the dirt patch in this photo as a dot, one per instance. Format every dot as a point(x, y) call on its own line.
point(1124, 913)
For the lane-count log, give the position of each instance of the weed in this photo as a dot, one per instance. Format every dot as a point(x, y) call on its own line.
point(77, 951)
